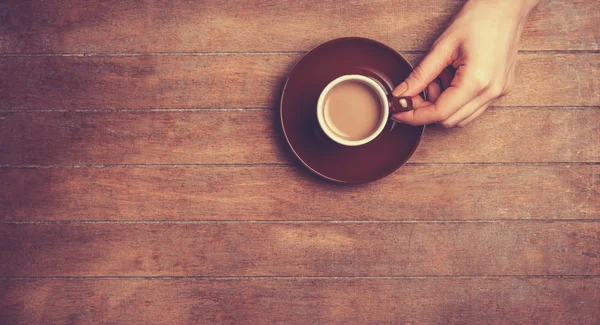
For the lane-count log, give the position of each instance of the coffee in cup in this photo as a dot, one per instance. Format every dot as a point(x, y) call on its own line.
point(354, 109)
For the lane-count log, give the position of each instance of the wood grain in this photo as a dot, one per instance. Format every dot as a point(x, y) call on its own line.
point(301, 301)
point(240, 81)
point(300, 249)
point(438, 192)
point(62, 26)
point(253, 137)
point(144, 178)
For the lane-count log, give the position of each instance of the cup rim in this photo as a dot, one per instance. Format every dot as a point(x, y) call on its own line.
point(383, 102)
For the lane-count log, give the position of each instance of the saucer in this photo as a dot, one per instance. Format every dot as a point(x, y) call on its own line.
point(321, 155)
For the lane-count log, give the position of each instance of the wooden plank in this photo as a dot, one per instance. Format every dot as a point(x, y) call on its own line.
point(453, 192)
point(62, 26)
point(142, 81)
point(302, 301)
point(231, 137)
point(300, 249)
point(240, 81)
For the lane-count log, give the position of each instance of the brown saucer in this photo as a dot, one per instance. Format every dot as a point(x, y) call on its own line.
point(326, 158)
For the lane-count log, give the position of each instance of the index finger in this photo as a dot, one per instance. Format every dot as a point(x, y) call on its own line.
point(450, 101)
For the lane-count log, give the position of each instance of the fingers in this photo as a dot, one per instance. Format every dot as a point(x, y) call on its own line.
point(473, 116)
point(418, 101)
point(446, 78)
point(466, 111)
point(434, 90)
point(448, 103)
point(440, 56)
point(439, 84)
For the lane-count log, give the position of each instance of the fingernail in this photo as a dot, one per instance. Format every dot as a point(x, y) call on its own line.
point(401, 89)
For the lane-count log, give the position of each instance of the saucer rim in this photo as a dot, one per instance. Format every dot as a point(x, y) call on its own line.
point(339, 181)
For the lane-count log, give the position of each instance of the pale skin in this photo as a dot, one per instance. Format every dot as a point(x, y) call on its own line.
point(469, 66)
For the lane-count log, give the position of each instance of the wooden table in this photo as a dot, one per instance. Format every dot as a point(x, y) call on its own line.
point(144, 179)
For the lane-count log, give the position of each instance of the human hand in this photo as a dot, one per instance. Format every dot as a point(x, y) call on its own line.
point(481, 44)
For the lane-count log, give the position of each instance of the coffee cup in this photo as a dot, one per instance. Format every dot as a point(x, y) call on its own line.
point(353, 110)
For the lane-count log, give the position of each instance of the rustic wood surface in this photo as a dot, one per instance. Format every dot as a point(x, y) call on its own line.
point(228, 137)
point(564, 191)
point(565, 300)
point(260, 25)
point(144, 180)
point(240, 81)
point(301, 249)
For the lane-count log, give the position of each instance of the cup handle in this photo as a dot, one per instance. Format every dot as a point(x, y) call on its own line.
point(400, 104)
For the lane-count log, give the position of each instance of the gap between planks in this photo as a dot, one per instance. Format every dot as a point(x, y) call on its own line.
point(225, 109)
point(291, 164)
point(154, 222)
point(244, 53)
point(292, 278)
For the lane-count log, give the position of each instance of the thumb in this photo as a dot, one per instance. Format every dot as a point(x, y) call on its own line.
point(439, 57)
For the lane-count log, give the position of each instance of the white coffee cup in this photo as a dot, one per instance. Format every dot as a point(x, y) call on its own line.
point(388, 104)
